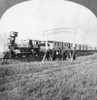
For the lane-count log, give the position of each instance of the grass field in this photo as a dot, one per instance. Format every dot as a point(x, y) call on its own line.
point(60, 80)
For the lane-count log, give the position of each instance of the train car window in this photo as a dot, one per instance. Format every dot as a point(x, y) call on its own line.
point(36, 42)
point(57, 43)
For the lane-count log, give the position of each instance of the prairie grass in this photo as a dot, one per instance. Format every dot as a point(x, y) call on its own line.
point(59, 80)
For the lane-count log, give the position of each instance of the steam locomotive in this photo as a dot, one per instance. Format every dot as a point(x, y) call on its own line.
point(44, 50)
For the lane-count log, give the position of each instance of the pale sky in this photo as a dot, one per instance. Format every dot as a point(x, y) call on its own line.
point(34, 17)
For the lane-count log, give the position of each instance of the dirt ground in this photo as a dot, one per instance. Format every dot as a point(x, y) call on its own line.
point(58, 80)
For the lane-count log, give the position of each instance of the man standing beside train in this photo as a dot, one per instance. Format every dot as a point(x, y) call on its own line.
point(73, 53)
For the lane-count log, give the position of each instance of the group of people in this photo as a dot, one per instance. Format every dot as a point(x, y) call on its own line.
point(61, 54)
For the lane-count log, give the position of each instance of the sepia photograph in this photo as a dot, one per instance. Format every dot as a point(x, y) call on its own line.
point(48, 49)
